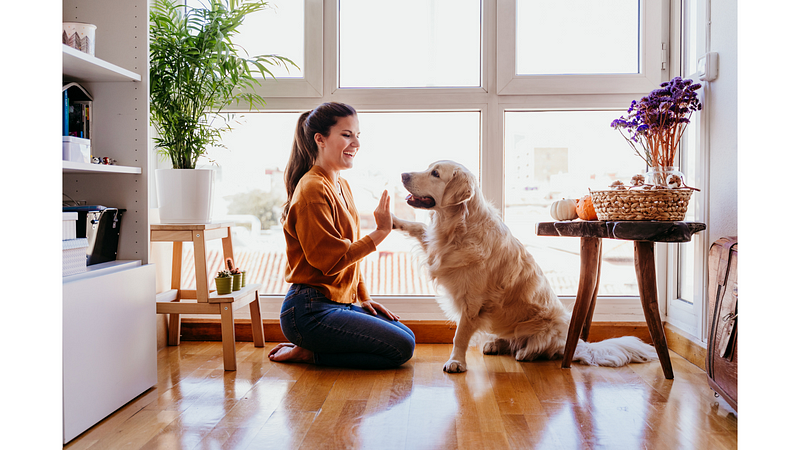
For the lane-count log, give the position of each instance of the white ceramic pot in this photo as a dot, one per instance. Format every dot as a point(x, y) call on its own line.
point(184, 195)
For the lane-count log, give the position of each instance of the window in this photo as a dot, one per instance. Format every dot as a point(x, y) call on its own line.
point(546, 160)
point(250, 190)
point(577, 37)
point(580, 47)
point(472, 81)
point(686, 291)
point(278, 29)
point(414, 43)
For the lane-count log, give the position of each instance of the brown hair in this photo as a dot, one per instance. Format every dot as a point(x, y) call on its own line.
point(304, 149)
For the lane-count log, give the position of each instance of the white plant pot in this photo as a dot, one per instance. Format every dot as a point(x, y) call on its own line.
point(184, 195)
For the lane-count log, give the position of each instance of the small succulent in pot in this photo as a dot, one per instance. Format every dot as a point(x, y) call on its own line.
point(223, 274)
point(231, 269)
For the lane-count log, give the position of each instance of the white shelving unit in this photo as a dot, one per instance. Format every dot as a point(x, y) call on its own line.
point(76, 167)
point(109, 317)
point(85, 67)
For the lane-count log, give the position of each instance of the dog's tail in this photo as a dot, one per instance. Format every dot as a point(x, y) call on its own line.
point(615, 352)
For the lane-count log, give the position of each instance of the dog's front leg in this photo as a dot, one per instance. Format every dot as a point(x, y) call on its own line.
point(458, 357)
point(413, 229)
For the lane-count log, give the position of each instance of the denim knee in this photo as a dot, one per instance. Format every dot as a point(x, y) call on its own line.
point(406, 348)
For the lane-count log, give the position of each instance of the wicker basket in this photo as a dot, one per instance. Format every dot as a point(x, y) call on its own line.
point(658, 204)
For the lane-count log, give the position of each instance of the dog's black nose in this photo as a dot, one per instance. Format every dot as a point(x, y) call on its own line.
point(405, 177)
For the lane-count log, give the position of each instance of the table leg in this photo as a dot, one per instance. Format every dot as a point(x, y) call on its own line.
point(587, 324)
point(590, 262)
point(177, 264)
point(256, 322)
point(200, 268)
point(644, 260)
point(228, 336)
point(174, 322)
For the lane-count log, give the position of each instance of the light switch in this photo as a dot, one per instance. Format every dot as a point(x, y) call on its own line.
point(708, 66)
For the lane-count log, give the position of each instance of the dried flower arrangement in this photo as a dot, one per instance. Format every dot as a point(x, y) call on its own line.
point(656, 122)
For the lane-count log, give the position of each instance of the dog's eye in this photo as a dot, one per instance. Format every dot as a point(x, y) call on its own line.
point(435, 173)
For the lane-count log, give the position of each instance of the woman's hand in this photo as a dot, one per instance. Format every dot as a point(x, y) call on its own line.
point(383, 219)
point(374, 307)
point(383, 215)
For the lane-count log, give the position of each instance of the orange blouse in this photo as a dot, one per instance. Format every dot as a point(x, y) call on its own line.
point(323, 243)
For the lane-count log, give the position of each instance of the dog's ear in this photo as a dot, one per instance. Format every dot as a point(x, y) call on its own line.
point(458, 190)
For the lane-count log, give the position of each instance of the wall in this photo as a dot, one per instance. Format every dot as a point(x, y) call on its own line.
point(722, 107)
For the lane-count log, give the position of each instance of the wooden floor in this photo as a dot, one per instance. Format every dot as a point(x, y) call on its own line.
point(498, 404)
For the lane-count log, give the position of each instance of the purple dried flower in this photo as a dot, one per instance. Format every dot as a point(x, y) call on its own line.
point(657, 121)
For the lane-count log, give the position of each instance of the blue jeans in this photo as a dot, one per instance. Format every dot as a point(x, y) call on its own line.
point(343, 335)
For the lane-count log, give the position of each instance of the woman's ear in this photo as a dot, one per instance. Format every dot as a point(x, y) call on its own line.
point(319, 139)
point(458, 190)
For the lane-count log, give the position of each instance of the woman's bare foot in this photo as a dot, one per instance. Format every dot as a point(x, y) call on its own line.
point(290, 353)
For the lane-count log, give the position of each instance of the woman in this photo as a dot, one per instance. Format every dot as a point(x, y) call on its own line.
point(320, 315)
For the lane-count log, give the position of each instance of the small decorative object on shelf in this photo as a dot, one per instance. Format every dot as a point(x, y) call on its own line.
point(236, 273)
point(79, 36)
point(224, 281)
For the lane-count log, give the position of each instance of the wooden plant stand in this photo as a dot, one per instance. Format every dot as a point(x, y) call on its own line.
point(179, 301)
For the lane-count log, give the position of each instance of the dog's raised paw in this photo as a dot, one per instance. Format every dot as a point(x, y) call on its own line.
point(454, 366)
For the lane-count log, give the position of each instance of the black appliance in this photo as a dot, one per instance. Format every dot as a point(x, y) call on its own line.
point(100, 225)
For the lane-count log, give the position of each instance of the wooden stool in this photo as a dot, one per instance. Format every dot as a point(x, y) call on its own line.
point(179, 301)
point(644, 234)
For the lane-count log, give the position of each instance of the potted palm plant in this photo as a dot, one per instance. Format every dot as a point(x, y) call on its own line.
point(195, 72)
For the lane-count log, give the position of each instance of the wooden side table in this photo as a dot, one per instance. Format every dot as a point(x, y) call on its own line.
point(179, 301)
point(644, 234)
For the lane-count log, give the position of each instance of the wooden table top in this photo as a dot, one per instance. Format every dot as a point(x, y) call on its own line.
point(655, 231)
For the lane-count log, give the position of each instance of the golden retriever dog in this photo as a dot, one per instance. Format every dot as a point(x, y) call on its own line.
point(492, 283)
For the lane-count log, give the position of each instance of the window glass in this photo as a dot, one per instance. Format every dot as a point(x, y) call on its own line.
point(414, 43)
point(686, 250)
point(577, 37)
point(249, 190)
point(278, 29)
point(690, 36)
point(554, 155)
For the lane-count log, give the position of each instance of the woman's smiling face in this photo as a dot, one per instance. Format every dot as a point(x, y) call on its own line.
point(338, 150)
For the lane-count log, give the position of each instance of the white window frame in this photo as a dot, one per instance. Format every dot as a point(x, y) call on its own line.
point(310, 85)
point(653, 57)
point(497, 94)
point(691, 317)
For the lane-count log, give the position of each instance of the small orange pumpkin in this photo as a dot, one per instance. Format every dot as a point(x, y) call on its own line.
point(586, 208)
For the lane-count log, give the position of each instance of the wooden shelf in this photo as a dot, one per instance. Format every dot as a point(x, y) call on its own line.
point(80, 66)
point(76, 167)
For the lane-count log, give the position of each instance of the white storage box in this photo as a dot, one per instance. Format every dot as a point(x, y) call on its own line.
point(74, 257)
point(69, 225)
point(76, 149)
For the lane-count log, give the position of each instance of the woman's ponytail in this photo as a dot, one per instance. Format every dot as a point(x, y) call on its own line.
point(300, 161)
